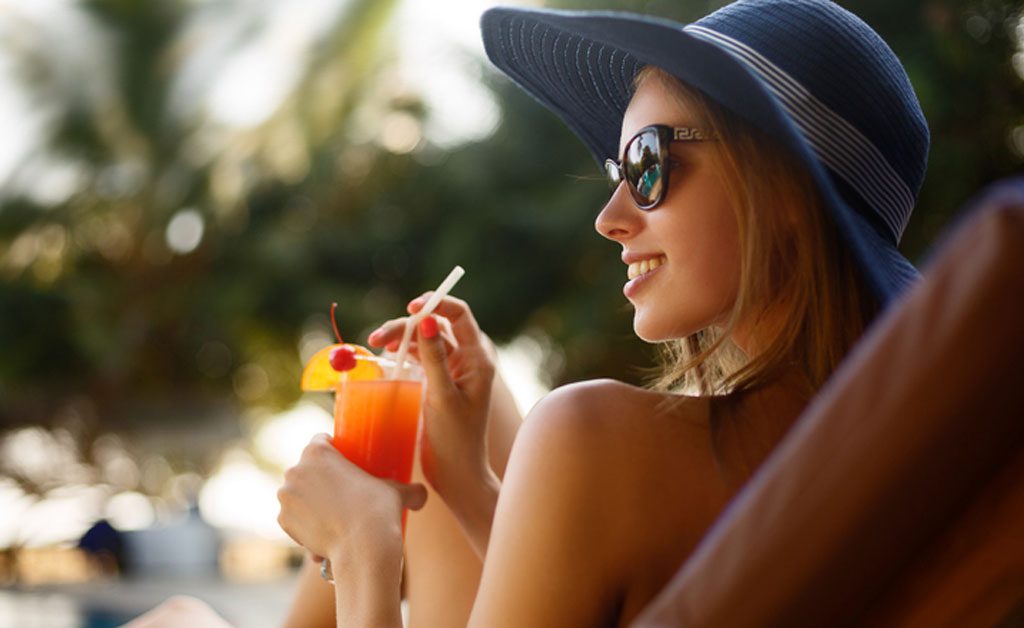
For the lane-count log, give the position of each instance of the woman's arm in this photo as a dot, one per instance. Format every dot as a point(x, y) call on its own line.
point(335, 509)
point(367, 591)
point(556, 554)
point(460, 372)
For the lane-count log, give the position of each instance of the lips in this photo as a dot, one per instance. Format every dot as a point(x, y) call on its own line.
point(644, 266)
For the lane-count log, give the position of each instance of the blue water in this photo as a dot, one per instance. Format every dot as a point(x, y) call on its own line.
point(103, 619)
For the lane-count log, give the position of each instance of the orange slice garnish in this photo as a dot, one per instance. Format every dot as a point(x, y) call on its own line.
point(319, 375)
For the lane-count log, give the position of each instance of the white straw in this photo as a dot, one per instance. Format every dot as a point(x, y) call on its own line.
point(414, 320)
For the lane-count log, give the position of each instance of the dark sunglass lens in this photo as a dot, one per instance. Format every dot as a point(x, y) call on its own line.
point(643, 167)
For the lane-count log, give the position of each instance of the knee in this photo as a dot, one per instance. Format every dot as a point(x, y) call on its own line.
point(180, 610)
point(185, 604)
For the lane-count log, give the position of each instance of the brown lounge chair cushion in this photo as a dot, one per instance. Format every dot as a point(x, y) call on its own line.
point(898, 497)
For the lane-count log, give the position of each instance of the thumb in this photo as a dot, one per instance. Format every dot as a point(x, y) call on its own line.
point(433, 356)
point(413, 496)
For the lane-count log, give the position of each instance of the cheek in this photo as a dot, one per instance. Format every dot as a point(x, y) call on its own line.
point(707, 255)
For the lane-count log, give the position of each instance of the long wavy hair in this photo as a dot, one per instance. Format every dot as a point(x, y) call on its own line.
point(793, 262)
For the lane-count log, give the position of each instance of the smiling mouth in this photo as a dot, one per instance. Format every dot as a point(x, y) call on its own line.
point(637, 269)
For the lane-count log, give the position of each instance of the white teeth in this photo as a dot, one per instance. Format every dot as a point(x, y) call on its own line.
point(640, 268)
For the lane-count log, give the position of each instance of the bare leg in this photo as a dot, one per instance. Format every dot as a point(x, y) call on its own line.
point(442, 570)
point(313, 604)
point(180, 610)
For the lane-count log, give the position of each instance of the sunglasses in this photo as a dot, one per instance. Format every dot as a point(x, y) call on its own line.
point(646, 162)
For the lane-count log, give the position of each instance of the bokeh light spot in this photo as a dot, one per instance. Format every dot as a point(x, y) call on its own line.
point(185, 231)
point(130, 511)
point(400, 132)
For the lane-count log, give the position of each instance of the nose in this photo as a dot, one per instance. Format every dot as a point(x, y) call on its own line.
point(620, 219)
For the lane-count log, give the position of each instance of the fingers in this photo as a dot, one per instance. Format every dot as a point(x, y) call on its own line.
point(389, 332)
point(318, 457)
point(389, 335)
point(413, 496)
point(319, 444)
point(433, 357)
point(457, 311)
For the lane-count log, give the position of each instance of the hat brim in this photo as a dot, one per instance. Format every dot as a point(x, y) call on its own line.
point(581, 65)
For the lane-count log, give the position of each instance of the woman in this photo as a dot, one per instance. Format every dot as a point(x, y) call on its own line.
point(765, 166)
point(765, 161)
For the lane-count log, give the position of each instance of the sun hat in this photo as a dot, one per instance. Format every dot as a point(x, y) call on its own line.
point(808, 72)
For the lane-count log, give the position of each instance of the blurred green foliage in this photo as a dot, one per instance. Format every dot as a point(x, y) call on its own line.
point(96, 312)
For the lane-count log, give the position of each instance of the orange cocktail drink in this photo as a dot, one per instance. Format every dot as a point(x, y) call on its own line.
point(376, 418)
point(376, 423)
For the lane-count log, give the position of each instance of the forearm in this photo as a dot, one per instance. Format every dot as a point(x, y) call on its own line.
point(473, 503)
point(475, 495)
point(367, 592)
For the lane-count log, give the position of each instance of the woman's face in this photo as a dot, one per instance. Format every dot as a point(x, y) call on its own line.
point(692, 233)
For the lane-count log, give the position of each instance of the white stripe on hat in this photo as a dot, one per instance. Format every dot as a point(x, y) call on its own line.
point(837, 143)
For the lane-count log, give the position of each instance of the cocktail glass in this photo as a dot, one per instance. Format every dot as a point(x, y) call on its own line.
point(377, 421)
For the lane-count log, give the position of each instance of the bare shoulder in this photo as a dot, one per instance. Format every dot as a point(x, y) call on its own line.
point(599, 392)
point(606, 417)
point(607, 489)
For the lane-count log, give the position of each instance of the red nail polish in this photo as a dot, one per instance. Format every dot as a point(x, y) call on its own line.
point(428, 327)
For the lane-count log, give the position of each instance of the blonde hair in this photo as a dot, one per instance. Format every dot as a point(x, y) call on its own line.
point(792, 261)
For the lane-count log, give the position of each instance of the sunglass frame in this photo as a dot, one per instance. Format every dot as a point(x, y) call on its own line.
point(665, 135)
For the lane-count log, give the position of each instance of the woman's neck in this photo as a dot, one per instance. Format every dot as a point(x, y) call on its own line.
point(747, 425)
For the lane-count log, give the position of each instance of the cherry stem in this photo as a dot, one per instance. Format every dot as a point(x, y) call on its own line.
point(335, 324)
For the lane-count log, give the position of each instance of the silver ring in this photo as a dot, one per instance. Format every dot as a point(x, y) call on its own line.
point(325, 570)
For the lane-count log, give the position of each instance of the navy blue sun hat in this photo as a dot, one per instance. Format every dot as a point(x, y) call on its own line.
point(805, 71)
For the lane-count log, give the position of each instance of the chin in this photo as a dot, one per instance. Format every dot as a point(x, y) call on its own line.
point(654, 329)
point(650, 332)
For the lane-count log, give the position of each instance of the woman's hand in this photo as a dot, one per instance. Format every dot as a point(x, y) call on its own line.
point(458, 360)
point(335, 509)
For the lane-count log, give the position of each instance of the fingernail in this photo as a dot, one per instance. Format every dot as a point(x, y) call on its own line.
point(428, 327)
point(374, 335)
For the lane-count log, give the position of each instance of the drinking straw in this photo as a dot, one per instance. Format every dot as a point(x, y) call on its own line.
point(414, 320)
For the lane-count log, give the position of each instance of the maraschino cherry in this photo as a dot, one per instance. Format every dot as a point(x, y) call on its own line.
point(344, 357)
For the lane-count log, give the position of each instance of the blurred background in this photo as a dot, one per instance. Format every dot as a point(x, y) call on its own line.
point(187, 185)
